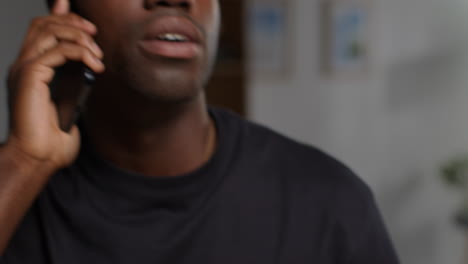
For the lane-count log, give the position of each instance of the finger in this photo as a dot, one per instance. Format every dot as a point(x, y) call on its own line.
point(71, 138)
point(61, 7)
point(42, 67)
point(55, 33)
point(70, 51)
point(73, 135)
point(40, 23)
point(78, 21)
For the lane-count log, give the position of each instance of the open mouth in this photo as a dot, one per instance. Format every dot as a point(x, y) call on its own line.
point(170, 47)
point(172, 37)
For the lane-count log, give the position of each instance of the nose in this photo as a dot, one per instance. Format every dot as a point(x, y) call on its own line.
point(182, 4)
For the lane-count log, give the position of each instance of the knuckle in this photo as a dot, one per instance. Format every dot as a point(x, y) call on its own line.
point(42, 26)
point(26, 67)
point(48, 28)
point(70, 49)
point(74, 19)
point(63, 45)
point(37, 21)
point(71, 16)
point(83, 37)
point(51, 29)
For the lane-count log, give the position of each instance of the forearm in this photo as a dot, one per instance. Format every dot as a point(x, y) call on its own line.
point(21, 180)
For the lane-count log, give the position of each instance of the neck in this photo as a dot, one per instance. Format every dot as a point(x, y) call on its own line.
point(162, 140)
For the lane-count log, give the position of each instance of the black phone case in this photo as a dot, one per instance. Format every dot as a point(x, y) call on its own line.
point(70, 87)
point(69, 90)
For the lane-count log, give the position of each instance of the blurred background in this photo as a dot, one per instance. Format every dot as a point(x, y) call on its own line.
point(380, 84)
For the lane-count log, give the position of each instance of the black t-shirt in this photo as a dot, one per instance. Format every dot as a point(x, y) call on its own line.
point(261, 199)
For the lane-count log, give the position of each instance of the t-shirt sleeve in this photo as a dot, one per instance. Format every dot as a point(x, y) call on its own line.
point(361, 236)
point(372, 243)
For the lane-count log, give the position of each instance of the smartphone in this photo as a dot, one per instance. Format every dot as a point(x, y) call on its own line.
point(69, 89)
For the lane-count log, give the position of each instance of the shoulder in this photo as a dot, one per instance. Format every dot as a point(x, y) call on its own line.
point(322, 198)
point(303, 167)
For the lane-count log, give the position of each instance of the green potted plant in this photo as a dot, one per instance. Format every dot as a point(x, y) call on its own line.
point(455, 174)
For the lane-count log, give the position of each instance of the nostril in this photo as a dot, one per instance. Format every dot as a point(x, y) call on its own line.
point(163, 3)
point(183, 4)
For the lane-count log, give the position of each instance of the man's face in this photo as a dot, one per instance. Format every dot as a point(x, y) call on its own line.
point(161, 49)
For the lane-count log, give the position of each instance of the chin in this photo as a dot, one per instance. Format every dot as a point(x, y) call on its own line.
point(167, 85)
point(158, 81)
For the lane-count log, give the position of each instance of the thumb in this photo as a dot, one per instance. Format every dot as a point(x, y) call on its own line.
point(61, 7)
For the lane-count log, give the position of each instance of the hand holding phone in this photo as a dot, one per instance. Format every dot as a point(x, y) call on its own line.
point(50, 43)
point(69, 90)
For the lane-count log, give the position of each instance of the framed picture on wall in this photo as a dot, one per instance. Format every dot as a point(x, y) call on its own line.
point(345, 47)
point(268, 28)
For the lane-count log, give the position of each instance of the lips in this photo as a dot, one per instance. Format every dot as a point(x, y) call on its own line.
point(172, 37)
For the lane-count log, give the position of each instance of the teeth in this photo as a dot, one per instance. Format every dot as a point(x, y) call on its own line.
point(172, 37)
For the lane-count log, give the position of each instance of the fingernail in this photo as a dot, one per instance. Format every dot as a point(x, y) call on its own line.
point(98, 60)
point(89, 24)
point(101, 64)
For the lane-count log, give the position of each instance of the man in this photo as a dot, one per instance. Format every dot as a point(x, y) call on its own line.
point(152, 175)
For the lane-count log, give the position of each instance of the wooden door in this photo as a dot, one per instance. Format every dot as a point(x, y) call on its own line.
point(227, 85)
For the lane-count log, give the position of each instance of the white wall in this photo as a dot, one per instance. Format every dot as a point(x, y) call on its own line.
point(396, 125)
point(14, 19)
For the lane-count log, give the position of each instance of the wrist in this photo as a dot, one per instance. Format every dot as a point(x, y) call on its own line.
point(23, 163)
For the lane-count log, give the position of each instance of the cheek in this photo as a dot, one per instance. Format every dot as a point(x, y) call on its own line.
point(112, 31)
point(108, 15)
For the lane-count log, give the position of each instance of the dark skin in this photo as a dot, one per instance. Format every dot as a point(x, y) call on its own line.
point(157, 105)
point(146, 114)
